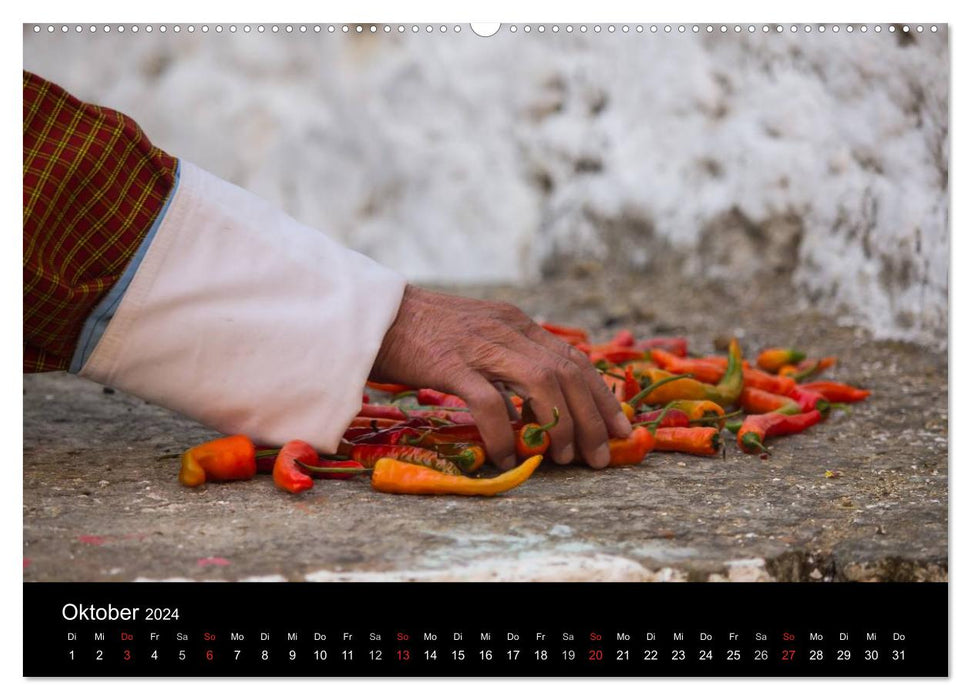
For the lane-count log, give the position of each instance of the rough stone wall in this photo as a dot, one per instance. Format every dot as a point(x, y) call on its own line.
point(818, 158)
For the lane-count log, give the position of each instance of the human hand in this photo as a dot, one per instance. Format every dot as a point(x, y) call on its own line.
point(463, 346)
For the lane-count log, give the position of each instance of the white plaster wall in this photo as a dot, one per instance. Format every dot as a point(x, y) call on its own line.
point(457, 158)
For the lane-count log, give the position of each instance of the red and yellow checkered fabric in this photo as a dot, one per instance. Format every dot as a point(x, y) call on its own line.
point(93, 186)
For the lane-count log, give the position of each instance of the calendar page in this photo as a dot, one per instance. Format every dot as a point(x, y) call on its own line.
point(423, 349)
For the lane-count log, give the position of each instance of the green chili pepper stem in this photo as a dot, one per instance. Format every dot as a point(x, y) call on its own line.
point(644, 393)
point(404, 395)
point(844, 407)
point(261, 454)
point(611, 374)
point(533, 434)
point(751, 440)
point(552, 423)
point(333, 470)
point(733, 426)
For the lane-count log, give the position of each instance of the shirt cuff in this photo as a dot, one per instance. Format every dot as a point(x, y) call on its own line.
point(95, 325)
point(244, 319)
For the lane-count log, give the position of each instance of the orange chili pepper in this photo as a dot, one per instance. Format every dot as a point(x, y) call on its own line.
point(756, 378)
point(615, 385)
point(702, 370)
point(684, 388)
point(534, 439)
point(807, 369)
point(226, 459)
point(705, 442)
point(724, 393)
point(639, 367)
point(696, 410)
point(631, 449)
point(394, 476)
point(757, 401)
point(773, 359)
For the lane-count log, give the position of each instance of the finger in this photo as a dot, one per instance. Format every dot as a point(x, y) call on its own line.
point(489, 410)
point(589, 430)
point(530, 370)
point(607, 405)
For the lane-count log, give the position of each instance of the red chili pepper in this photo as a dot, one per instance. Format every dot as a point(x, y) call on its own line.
point(566, 332)
point(809, 400)
point(287, 474)
point(389, 388)
point(616, 386)
point(373, 423)
point(632, 449)
point(755, 429)
point(667, 417)
point(444, 414)
point(757, 401)
point(624, 339)
point(674, 345)
point(834, 391)
point(459, 433)
point(613, 354)
point(705, 442)
point(265, 456)
point(632, 387)
point(381, 411)
point(534, 439)
point(368, 455)
point(431, 397)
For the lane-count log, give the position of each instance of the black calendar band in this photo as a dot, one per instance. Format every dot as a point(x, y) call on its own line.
point(479, 629)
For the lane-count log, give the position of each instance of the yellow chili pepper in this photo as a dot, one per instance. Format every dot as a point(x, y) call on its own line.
point(393, 476)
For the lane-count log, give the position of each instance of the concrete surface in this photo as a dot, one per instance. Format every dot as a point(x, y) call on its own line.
point(102, 502)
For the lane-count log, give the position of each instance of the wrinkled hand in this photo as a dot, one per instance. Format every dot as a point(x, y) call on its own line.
point(463, 346)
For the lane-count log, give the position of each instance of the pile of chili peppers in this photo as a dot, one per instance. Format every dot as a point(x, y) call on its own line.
point(422, 441)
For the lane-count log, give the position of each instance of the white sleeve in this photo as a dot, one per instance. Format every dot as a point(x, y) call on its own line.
point(246, 320)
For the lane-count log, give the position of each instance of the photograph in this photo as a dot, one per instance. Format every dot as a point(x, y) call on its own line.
point(547, 303)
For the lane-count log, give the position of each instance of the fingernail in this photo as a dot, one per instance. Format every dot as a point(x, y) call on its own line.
point(507, 463)
point(620, 424)
point(601, 458)
point(565, 456)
